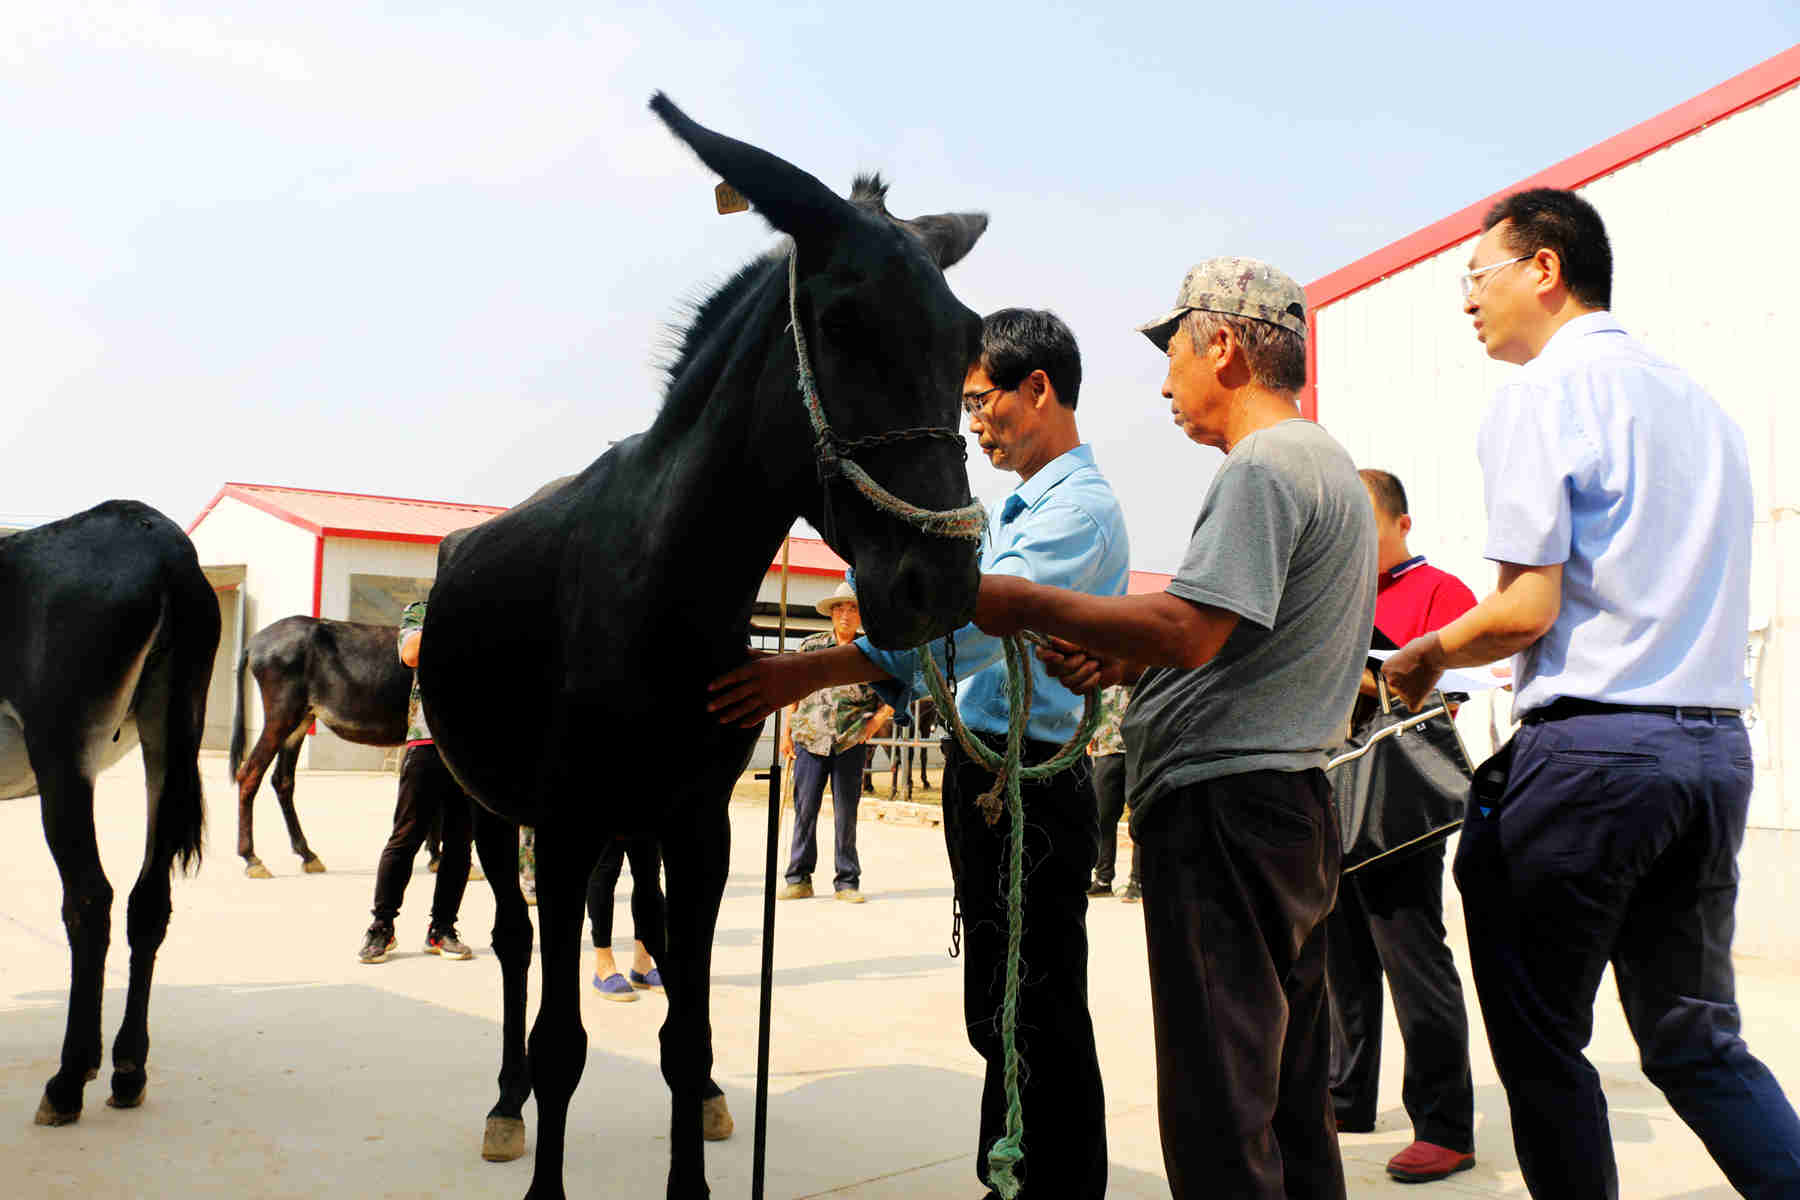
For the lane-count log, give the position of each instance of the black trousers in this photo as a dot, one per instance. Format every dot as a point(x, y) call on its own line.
point(1390, 919)
point(427, 791)
point(1109, 800)
point(1064, 1105)
point(647, 905)
point(1239, 873)
point(1615, 839)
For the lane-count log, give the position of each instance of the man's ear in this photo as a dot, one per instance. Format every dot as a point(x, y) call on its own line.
point(1404, 524)
point(1550, 263)
point(1037, 385)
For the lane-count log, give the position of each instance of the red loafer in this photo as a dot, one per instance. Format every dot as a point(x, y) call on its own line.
point(1423, 1162)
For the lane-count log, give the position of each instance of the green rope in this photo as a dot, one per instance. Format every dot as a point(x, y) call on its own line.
point(1007, 1154)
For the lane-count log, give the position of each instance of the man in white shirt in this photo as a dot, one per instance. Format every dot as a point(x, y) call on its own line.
point(1607, 830)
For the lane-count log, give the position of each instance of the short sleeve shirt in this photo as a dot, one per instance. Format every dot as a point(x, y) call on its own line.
point(833, 719)
point(412, 620)
point(1286, 540)
point(1413, 598)
point(1615, 463)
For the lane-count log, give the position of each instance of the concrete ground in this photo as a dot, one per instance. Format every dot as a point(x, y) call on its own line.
point(280, 1066)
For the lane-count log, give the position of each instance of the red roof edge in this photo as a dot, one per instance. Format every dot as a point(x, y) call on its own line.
point(282, 487)
point(241, 492)
point(1759, 83)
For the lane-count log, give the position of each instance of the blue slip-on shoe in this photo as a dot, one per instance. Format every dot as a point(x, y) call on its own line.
point(614, 987)
point(651, 982)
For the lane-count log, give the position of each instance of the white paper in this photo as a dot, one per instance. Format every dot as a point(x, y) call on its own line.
point(1473, 679)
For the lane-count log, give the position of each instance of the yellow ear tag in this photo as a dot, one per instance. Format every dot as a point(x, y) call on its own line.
point(730, 199)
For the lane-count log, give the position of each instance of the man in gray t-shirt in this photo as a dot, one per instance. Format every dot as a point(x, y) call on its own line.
point(1285, 541)
point(1247, 666)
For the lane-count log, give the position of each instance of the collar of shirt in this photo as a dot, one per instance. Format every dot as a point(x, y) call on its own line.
point(1568, 338)
point(1027, 494)
point(1398, 569)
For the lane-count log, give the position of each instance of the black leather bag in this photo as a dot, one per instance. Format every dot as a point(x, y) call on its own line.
point(1401, 783)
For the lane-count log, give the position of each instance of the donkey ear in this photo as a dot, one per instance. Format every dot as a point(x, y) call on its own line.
point(788, 198)
point(948, 236)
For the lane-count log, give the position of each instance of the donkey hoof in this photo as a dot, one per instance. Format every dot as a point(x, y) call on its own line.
point(715, 1119)
point(120, 1101)
point(432, 866)
point(313, 866)
point(49, 1114)
point(476, 874)
point(93, 1073)
point(255, 870)
point(504, 1139)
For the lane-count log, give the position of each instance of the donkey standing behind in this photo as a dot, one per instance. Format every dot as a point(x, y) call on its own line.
point(572, 615)
point(111, 628)
point(342, 672)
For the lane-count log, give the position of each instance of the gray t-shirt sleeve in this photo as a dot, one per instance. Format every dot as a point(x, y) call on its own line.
point(1238, 556)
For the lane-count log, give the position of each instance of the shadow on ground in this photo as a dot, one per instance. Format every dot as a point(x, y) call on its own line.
point(292, 1090)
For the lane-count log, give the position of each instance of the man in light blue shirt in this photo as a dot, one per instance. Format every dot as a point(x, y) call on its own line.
point(1607, 829)
point(1061, 527)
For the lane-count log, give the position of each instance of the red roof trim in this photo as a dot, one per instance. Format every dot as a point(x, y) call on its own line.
point(381, 535)
point(282, 487)
point(256, 500)
point(1757, 84)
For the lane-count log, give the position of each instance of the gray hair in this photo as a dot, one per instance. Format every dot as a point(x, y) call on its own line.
point(1276, 356)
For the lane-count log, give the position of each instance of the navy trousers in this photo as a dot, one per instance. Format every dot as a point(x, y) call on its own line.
point(810, 771)
point(1615, 839)
point(647, 911)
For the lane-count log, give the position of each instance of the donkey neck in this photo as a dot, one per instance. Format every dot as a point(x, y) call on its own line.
point(731, 454)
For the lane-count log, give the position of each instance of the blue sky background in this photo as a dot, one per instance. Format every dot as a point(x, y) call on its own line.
point(432, 252)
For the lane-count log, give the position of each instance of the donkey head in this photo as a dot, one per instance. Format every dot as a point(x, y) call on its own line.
point(889, 345)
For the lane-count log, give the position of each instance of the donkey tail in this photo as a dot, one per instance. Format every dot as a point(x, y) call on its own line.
point(237, 714)
point(193, 625)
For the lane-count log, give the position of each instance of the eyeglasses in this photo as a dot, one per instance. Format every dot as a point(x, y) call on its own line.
point(974, 402)
point(1469, 287)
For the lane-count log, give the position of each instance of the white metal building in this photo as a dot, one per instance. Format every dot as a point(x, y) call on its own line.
point(296, 551)
point(1699, 203)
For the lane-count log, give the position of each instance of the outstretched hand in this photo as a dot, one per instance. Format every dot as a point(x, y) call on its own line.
point(1077, 669)
point(746, 696)
point(1414, 669)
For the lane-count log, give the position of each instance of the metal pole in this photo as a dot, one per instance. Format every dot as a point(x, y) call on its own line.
point(759, 1155)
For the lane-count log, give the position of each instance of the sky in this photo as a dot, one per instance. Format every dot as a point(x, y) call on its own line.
point(435, 251)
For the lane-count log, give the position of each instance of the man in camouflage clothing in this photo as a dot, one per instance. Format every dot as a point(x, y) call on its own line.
point(427, 789)
point(1106, 752)
point(824, 736)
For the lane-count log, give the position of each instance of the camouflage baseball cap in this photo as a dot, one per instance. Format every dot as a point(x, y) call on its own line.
point(1237, 287)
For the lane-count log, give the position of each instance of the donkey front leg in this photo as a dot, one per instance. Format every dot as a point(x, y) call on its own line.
point(496, 842)
point(67, 803)
point(282, 780)
point(698, 863)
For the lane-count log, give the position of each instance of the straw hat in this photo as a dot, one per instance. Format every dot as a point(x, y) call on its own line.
point(844, 595)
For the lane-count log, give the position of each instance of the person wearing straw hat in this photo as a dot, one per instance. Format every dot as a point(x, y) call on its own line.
point(824, 735)
point(1246, 668)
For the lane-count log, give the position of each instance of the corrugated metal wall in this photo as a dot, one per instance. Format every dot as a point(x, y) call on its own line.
point(1706, 244)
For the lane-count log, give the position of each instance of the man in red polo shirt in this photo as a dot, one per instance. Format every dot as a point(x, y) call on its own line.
point(1390, 918)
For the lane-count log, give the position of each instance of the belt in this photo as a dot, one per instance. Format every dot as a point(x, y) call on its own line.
point(1568, 706)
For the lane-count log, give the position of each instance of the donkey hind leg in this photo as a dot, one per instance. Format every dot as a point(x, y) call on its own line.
point(282, 725)
point(558, 1046)
point(283, 782)
point(171, 773)
point(496, 842)
point(67, 801)
point(697, 865)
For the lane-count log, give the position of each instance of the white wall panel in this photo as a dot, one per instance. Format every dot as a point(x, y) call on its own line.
point(278, 572)
point(1706, 272)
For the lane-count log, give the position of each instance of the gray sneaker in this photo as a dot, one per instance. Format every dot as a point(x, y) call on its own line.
point(446, 943)
point(376, 943)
